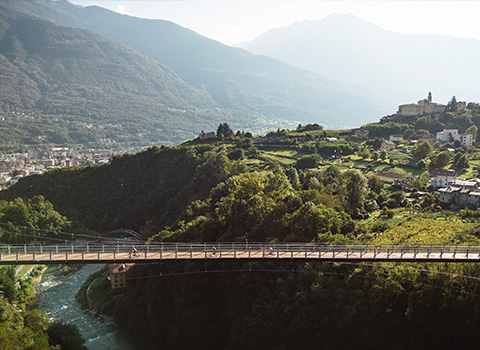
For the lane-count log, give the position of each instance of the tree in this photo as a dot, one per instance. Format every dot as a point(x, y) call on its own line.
point(442, 159)
point(463, 162)
point(356, 188)
point(422, 164)
point(309, 161)
point(383, 155)
point(423, 150)
point(375, 184)
point(408, 134)
point(66, 335)
point(364, 153)
point(452, 104)
point(377, 144)
point(457, 157)
point(244, 143)
point(224, 131)
point(292, 175)
point(420, 133)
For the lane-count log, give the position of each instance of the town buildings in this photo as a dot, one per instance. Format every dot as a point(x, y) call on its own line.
point(456, 192)
point(425, 106)
point(452, 135)
point(443, 178)
point(13, 166)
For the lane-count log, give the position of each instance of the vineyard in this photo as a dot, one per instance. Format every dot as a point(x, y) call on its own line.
point(434, 229)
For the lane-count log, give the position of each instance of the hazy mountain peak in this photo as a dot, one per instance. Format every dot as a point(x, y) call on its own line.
point(397, 67)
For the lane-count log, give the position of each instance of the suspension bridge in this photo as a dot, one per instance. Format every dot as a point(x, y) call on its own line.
point(122, 252)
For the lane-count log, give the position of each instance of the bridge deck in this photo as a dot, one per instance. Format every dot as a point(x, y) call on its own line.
point(95, 253)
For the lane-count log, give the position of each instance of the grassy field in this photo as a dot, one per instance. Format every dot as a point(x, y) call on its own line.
point(284, 157)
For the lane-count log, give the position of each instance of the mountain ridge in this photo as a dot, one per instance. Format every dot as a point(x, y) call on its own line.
point(66, 71)
point(395, 66)
point(248, 86)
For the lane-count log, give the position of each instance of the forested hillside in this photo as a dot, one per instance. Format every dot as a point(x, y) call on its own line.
point(142, 192)
point(79, 77)
point(22, 326)
point(236, 192)
point(257, 90)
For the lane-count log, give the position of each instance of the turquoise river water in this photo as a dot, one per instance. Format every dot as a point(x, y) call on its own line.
point(56, 294)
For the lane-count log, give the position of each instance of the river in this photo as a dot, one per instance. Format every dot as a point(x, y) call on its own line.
point(56, 295)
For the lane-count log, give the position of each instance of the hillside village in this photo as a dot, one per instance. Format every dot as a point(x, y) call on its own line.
point(448, 169)
point(388, 150)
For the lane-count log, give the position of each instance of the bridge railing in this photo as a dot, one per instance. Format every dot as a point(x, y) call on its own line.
point(246, 250)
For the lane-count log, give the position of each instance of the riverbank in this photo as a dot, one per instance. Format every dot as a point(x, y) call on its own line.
point(56, 296)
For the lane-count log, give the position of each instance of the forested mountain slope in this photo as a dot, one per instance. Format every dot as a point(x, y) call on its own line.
point(255, 89)
point(83, 77)
point(197, 193)
point(141, 192)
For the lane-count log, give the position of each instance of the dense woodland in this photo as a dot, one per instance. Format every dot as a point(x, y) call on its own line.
point(232, 191)
point(22, 326)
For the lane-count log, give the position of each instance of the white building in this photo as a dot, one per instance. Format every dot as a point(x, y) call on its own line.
point(452, 135)
point(444, 177)
point(466, 139)
point(448, 135)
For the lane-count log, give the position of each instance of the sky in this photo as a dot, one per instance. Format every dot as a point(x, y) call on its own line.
point(234, 21)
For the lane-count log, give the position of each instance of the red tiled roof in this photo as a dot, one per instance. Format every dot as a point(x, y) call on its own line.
point(120, 268)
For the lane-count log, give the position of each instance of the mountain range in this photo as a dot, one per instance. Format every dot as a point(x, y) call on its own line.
point(71, 72)
point(249, 91)
point(398, 68)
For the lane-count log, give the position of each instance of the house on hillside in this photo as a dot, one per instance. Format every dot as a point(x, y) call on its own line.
point(207, 135)
point(396, 138)
point(451, 135)
point(443, 178)
point(387, 146)
point(461, 105)
point(466, 140)
point(461, 193)
point(425, 106)
point(361, 133)
point(448, 135)
point(118, 275)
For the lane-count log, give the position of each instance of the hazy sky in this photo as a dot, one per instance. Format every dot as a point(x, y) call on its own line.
point(233, 21)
